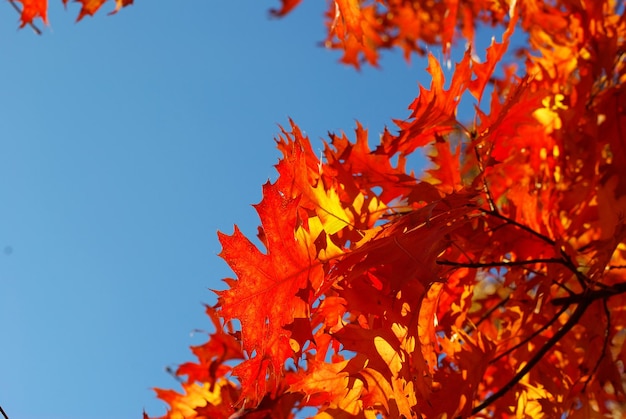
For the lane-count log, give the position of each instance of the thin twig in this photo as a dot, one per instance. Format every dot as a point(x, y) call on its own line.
point(605, 344)
point(615, 289)
point(481, 167)
point(519, 225)
point(38, 32)
point(571, 322)
point(3, 413)
point(565, 287)
point(486, 315)
point(530, 337)
point(498, 264)
point(460, 249)
point(567, 261)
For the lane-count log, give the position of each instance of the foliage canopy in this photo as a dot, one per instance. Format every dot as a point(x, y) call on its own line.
point(493, 284)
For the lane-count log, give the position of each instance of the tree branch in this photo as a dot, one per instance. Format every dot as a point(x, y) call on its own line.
point(3, 413)
point(571, 322)
point(567, 261)
point(519, 225)
point(498, 264)
point(590, 296)
point(481, 167)
point(531, 336)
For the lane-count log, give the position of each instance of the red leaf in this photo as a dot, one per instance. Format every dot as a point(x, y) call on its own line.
point(495, 52)
point(286, 7)
point(447, 174)
point(90, 7)
point(32, 9)
point(433, 112)
point(264, 296)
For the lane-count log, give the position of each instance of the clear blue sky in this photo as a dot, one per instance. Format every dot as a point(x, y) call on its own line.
point(126, 142)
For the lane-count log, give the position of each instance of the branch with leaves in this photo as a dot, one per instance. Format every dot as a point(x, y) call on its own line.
point(474, 287)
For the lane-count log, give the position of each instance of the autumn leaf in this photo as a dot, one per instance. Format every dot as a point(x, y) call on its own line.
point(264, 298)
point(212, 356)
point(32, 9)
point(216, 399)
point(376, 170)
point(90, 7)
point(432, 113)
point(447, 173)
point(484, 71)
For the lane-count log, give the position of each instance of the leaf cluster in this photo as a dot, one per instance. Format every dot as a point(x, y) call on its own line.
point(33, 9)
point(491, 285)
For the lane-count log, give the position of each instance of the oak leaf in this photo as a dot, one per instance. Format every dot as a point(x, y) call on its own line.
point(264, 297)
point(32, 9)
point(286, 7)
point(433, 113)
point(90, 7)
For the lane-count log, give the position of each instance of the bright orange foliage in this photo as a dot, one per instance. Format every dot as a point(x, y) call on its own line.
point(493, 285)
point(32, 9)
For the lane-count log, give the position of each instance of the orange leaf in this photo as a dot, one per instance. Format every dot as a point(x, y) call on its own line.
point(375, 170)
point(433, 112)
point(32, 9)
point(267, 295)
point(90, 7)
point(448, 173)
point(326, 383)
point(350, 13)
point(495, 52)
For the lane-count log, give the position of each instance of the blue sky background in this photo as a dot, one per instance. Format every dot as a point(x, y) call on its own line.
point(126, 142)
